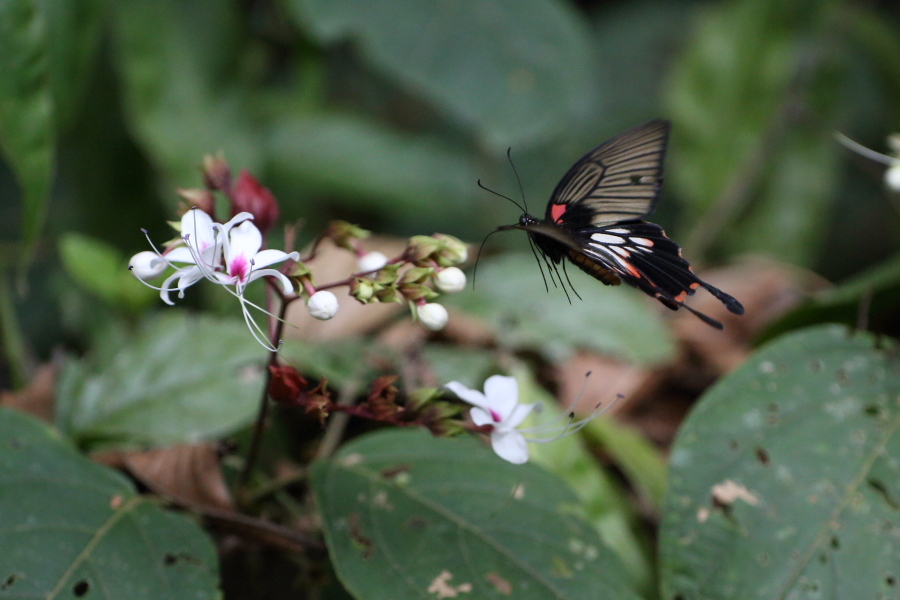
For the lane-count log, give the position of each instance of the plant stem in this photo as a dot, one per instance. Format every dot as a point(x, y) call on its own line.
point(260, 424)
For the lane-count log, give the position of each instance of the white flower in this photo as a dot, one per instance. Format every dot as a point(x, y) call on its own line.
point(371, 261)
point(498, 406)
point(322, 305)
point(433, 316)
point(147, 265)
point(892, 177)
point(450, 280)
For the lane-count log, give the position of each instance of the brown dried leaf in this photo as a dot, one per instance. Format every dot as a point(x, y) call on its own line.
point(37, 398)
point(186, 473)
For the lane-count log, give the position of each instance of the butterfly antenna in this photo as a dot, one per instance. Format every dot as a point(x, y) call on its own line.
point(570, 282)
point(540, 268)
point(519, 181)
point(478, 256)
point(501, 195)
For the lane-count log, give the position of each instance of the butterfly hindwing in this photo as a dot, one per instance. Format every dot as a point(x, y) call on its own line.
point(617, 181)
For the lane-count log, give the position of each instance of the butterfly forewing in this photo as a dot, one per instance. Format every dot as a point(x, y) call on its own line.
point(616, 181)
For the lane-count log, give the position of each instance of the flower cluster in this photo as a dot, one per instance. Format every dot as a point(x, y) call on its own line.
point(231, 254)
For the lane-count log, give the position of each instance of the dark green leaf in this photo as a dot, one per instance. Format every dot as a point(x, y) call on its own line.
point(26, 110)
point(74, 32)
point(783, 481)
point(616, 321)
point(369, 165)
point(72, 528)
point(101, 269)
point(408, 514)
point(173, 60)
point(755, 175)
point(515, 72)
point(179, 378)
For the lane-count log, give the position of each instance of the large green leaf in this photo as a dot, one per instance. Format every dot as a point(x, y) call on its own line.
point(407, 515)
point(26, 110)
point(178, 378)
point(618, 321)
point(515, 72)
point(102, 269)
point(174, 60)
point(70, 528)
point(74, 32)
point(803, 442)
point(369, 165)
point(755, 176)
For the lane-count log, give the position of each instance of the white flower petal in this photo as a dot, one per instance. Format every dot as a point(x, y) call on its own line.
point(238, 218)
point(510, 446)
point(199, 226)
point(147, 265)
point(286, 284)
point(244, 240)
point(371, 261)
point(502, 394)
point(892, 177)
point(181, 255)
point(473, 397)
point(270, 257)
point(481, 417)
point(519, 413)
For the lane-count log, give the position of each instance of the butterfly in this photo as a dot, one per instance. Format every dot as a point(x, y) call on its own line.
point(595, 220)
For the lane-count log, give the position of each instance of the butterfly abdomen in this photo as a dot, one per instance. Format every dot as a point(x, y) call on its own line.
point(593, 268)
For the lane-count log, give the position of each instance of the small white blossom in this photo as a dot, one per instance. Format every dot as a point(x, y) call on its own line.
point(371, 261)
point(322, 305)
point(433, 316)
point(450, 280)
point(147, 265)
point(499, 407)
point(892, 177)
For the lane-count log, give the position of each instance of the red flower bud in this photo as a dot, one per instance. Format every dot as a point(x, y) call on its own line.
point(216, 174)
point(286, 385)
point(250, 196)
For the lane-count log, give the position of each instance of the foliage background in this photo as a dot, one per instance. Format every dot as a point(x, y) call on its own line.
point(385, 114)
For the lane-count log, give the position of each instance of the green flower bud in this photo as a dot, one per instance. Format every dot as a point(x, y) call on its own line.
point(345, 235)
point(416, 291)
point(452, 251)
point(421, 247)
point(363, 290)
point(415, 275)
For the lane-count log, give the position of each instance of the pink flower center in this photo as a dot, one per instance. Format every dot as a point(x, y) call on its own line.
point(495, 416)
point(239, 268)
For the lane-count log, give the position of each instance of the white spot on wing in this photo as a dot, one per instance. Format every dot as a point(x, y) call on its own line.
point(621, 251)
point(618, 231)
point(607, 239)
point(641, 241)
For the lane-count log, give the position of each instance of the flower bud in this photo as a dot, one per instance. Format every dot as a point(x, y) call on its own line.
point(146, 265)
point(417, 291)
point(892, 177)
point(421, 247)
point(452, 252)
point(322, 305)
point(450, 280)
point(371, 261)
point(433, 316)
point(362, 289)
point(285, 384)
point(198, 197)
point(251, 196)
point(345, 235)
point(415, 275)
point(216, 174)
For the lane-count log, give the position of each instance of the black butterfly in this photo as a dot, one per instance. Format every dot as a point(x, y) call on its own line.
point(595, 219)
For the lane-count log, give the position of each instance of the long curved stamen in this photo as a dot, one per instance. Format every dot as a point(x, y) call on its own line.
point(573, 426)
point(158, 253)
point(566, 414)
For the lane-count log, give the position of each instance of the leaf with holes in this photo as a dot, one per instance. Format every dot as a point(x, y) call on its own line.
point(407, 515)
point(784, 482)
point(70, 528)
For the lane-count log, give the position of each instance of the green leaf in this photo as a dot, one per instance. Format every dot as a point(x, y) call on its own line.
point(368, 165)
point(875, 290)
point(72, 528)
point(26, 111)
point(754, 176)
point(602, 498)
point(74, 33)
point(101, 269)
point(617, 321)
point(467, 365)
point(408, 514)
point(342, 362)
point(805, 436)
point(174, 61)
point(179, 378)
point(640, 462)
point(514, 72)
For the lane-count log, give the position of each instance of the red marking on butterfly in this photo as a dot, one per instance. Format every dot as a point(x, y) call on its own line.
point(556, 212)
